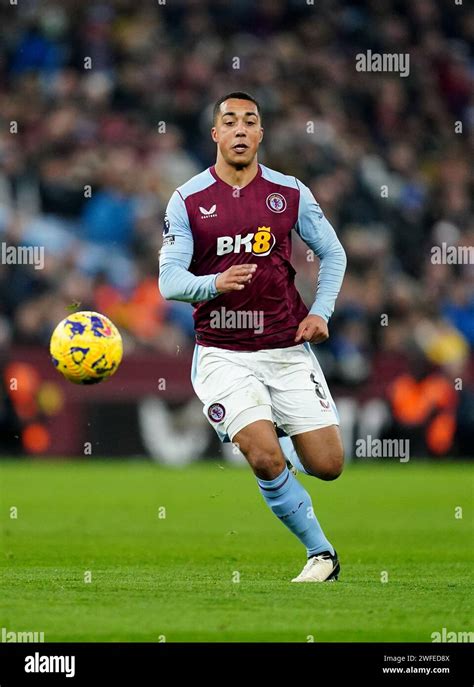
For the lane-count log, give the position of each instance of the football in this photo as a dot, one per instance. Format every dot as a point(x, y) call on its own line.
point(86, 347)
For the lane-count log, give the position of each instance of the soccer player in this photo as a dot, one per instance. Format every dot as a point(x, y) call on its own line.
point(226, 249)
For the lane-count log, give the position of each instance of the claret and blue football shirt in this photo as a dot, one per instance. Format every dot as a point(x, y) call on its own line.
point(210, 226)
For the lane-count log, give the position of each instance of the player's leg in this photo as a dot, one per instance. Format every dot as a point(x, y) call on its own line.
point(238, 406)
point(321, 452)
point(283, 493)
point(259, 444)
point(292, 458)
point(304, 409)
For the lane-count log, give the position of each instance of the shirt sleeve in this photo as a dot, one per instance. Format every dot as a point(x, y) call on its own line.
point(315, 230)
point(176, 282)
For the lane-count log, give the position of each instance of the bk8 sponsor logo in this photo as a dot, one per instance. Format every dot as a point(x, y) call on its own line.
point(260, 243)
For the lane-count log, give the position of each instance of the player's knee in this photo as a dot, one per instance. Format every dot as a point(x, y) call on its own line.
point(266, 462)
point(333, 465)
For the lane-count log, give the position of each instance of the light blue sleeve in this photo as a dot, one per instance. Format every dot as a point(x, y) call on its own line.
point(315, 230)
point(175, 281)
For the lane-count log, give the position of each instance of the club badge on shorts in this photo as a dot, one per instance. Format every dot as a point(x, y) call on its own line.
point(276, 202)
point(216, 412)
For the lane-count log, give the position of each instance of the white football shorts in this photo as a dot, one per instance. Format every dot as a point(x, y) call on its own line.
point(283, 385)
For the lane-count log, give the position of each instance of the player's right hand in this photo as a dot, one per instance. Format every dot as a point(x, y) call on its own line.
point(235, 278)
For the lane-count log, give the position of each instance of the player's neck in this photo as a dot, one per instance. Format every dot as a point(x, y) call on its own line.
point(233, 176)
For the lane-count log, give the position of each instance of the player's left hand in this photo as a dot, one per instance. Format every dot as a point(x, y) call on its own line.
point(313, 329)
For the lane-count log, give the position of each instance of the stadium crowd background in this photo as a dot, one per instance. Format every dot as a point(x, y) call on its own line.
point(99, 151)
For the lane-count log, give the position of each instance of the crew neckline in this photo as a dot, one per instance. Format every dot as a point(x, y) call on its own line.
point(241, 188)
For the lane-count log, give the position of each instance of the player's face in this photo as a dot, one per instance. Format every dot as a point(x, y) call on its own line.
point(237, 132)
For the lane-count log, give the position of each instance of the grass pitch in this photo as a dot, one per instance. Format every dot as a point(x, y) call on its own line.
point(216, 565)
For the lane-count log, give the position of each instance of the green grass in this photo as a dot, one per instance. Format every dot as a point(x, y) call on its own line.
point(173, 576)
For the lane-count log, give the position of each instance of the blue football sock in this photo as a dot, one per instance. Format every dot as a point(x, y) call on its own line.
point(291, 503)
point(289, 452)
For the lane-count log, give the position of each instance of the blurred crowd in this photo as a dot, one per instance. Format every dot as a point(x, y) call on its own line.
point(112, 103)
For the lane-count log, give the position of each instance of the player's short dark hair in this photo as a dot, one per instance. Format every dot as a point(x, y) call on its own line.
point(241, 95)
